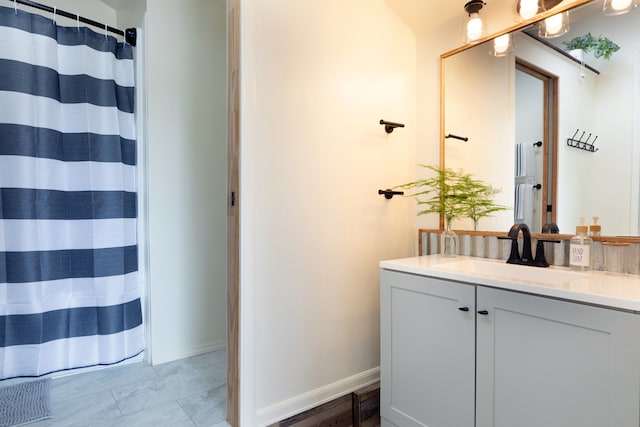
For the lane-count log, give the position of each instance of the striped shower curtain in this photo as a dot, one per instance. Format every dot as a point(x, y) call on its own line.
point(69, 292)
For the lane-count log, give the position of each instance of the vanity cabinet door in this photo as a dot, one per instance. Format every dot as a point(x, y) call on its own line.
point(427, 351)
point(544, 362)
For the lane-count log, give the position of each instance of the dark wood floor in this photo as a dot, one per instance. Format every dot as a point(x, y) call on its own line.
point(358, 409)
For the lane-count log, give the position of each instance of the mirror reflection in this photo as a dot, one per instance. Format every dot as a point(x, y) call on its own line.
point(561, 138)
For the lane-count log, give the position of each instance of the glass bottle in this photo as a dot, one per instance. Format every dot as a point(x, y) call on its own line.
point(448, 242)
point(580, 248)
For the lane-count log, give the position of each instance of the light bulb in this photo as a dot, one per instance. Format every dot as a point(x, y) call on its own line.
point(501, 44)
point(474, 27)
point(553, 24)
point(618, 5)
point(529, 8)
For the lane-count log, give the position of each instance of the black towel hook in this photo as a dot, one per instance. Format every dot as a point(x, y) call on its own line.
point(461, 138)
point(390, 126)
point(389, 193)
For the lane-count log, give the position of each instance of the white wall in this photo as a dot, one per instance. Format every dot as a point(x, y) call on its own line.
point(471, 75)
point(613, 121)
point(600, 105)
point(186, 122)
point(432, 40)
point(436, 36)
point(92, 9)
point(184, 154)
point(317, 76)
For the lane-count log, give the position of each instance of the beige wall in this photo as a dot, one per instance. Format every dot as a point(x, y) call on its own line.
point(489, 125)
point(436, 36)
point(317, 76)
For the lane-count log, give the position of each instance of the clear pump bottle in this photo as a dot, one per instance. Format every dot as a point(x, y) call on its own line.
point(580, 248)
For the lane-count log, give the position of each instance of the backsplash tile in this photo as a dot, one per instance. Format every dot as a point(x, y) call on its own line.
point(489, 246)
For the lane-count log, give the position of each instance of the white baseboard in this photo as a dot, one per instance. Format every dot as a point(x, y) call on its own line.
point(297, 404)
point(183, 353)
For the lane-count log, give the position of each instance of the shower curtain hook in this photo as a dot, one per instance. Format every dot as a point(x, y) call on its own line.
point(106, 31)
point(78, 22)
point(55, 10)
point(15, 5)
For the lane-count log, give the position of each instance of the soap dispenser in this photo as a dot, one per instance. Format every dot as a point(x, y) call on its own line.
point(580, 248)
point(595, 228)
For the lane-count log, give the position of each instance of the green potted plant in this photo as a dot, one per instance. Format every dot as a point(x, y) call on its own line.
point(601, 47)
point(478, 201)
point(453, 194)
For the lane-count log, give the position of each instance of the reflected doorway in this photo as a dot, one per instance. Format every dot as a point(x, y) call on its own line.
point(536, 131)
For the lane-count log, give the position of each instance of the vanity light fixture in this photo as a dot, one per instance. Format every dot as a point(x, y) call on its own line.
point(618, 7)
point(554, 26)
point(527, 9)
point(475, 27)
point(501, 45)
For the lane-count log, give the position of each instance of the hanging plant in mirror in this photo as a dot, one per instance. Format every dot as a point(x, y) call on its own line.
point(601, 47)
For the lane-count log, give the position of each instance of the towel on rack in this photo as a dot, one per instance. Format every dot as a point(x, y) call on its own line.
point(525, 160)
point(524, 204)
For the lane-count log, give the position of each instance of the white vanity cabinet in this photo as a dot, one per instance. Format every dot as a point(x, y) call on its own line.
point(427, 351)
point(512, 360)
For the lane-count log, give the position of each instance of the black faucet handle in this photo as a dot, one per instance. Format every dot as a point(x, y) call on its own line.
point(514, 256)
point(541, 259)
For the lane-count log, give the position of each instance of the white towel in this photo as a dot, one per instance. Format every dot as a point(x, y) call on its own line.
point(525, 160)
point(524, 204)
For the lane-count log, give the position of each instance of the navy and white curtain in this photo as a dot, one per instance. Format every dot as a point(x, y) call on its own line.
point(69, 293)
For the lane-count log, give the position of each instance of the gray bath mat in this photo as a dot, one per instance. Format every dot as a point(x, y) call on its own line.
point(25, 403)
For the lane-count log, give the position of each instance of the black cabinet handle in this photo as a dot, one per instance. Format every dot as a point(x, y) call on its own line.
point(463, 308)
point(483, 312)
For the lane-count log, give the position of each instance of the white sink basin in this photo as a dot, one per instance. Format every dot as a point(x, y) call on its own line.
point(512, 272)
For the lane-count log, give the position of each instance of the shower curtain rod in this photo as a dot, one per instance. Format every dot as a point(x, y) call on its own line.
point(129, 34)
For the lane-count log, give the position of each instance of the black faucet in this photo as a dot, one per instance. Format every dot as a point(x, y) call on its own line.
point(526, 258)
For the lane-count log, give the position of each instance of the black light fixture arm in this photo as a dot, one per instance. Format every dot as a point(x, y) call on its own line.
point(390, 126)
point(130, 34)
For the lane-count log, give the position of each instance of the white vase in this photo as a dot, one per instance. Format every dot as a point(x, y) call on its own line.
point(578, 54)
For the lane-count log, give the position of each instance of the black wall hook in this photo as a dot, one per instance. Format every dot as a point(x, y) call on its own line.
point(461, 138)
point(582, 144)
point(390, 126)
point(388, 193)
point(131, 36)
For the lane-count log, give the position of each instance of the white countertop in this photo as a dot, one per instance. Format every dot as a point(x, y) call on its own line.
point(621, 291)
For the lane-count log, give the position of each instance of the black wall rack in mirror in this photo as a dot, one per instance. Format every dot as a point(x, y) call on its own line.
point(582, 145)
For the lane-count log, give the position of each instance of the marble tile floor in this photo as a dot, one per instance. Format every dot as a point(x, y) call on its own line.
point(190, 392)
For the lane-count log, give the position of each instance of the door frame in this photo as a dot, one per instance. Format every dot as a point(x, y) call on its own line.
point(233, 212)
point(550, 138)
